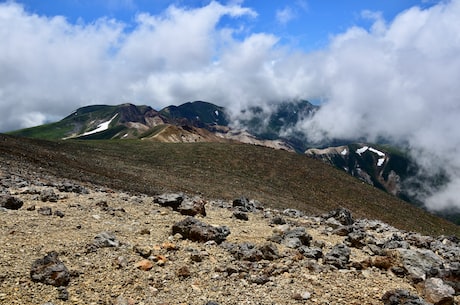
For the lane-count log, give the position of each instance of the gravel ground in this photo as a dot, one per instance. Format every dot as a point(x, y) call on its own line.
point(181, 271)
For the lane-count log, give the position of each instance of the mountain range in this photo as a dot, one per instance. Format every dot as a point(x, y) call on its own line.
point(380, 165)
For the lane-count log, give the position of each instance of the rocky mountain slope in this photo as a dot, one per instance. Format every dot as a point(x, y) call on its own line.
point(85, 241)
point(383, 167)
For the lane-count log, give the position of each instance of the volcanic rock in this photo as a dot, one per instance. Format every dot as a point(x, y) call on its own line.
point(50, 270)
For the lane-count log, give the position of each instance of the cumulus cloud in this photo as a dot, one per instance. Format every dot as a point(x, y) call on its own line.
point(285, 15)
point(396, 80)
point(50, 66)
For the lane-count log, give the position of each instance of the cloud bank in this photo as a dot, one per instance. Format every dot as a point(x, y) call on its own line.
point(397, 80)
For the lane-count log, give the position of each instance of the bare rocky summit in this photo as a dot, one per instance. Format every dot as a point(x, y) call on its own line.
point(69, 242)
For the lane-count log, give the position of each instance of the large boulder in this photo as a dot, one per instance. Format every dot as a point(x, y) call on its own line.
point(419, 262)
point(50, 270)
point(339, 256)
point(437, 292)
point(195, 230)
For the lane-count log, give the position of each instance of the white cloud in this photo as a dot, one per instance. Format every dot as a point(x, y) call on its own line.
point(398, 80)
point(283, 16)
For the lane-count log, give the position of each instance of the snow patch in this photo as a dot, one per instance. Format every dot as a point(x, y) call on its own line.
point(362, 150)
point(344, 152)
point(380, 161)
point(378, 152)
point(101, 127)
point(216, 112)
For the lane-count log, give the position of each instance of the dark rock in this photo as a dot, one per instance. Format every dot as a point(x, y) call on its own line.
point(401, 297)
point(292, 213)
point(339, 256)
point(247, 252)
point(31, 208)
point(69, 187)
point(45, 211)
point(359, 239)
point(59, 213)
point(277, 220)
point(396, 242)
point(63, 293)
point(243, 204)
point(269, 251)
point(10, 202)
point(296, 237)
point(343, 230)
point(241, 215)
point(195, 230)
point(311, 252)
point(170, 200)
point(342, 215)
point(105, 239)
point(50, 270)
point(48, 195)
point(260, 279)
point(212, 303)
point(183, 272)
point(192, 207)
point(251, 252)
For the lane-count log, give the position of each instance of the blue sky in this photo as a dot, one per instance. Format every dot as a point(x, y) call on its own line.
point(379, 68)
point(300, 23)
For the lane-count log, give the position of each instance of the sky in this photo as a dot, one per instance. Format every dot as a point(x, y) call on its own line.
point(378, 68)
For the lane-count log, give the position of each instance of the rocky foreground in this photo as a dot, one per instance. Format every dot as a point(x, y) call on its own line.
point(66, 242)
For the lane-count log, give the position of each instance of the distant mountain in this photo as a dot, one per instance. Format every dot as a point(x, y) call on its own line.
point(386, 168)
point(198, 113)
point(190, 122)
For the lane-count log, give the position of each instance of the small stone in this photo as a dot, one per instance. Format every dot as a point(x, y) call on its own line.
point(59, 213)
point(302, 296)
point(144, 232)
point(169, 246)
point(63, 293)
point(45, 211)
point(241, 215)
point(120, 262)
point(144, 265)
point(183, 272)
point(145, 252)
point(105, 239)
point(277, 220)
point(48, 195)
